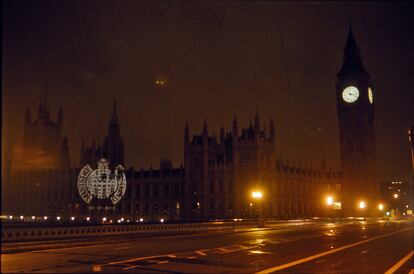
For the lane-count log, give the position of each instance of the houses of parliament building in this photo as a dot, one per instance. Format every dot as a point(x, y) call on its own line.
point(219, 172)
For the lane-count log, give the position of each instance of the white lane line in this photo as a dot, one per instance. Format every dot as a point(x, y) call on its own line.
point(400, 263)
point(139, 259)
point(222, 249)
point(310, 258)
point(125, 247)
point(72, 247)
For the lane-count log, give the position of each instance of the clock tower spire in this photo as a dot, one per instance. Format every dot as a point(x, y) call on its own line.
point(356, 115)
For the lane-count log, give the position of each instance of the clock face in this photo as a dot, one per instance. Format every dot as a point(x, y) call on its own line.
point(370, 95)
point(350, 94)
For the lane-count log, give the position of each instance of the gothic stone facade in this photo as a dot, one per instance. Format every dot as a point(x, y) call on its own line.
point(215, 182)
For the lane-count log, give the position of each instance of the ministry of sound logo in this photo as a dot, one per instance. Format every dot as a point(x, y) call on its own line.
point(102, 183)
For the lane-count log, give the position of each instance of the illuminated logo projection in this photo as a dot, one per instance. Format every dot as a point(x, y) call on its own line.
point(102, 183)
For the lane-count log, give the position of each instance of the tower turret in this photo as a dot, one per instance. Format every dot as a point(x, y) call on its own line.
point(113, 145)
point(186, 134)
point(222, 137)
point(271, 131)
point(64, 154)
point(235, 129)
point(356, 115)
point(205, 129)
point(28, 116)
point(256, 124)
point(60, 117)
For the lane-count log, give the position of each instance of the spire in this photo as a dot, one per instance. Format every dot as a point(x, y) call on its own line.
point(271, 131)
point(64, 154)
point(351, 44)
point(186, 133)
point(205, 128)
point(235, 128)
point(114, 113)
point(65, 142)
point(40, 111)
point(352, 60)
point(114, 124)
point(45, 98)
point(222, 138)
point(60, 117)
point(28, 116)
point(256, 122)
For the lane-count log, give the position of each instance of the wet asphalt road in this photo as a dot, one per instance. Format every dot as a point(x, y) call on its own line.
point(331, 248)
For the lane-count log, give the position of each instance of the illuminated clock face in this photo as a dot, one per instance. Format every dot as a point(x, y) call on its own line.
point(370, 95)
point(350, 94)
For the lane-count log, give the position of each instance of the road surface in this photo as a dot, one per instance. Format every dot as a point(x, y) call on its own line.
point(347, 248)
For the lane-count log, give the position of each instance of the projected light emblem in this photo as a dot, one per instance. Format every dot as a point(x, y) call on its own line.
point(102, 183)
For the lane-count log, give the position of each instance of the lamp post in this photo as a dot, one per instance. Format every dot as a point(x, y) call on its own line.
point(362, 208)
point(329, 203)
point(257, 196)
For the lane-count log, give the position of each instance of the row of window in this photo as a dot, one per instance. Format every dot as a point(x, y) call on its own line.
point(147, 209)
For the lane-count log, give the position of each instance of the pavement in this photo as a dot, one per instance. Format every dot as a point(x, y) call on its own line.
point(377, 247)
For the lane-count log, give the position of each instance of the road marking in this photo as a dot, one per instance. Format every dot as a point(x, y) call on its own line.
point(130, 267)
point(400, 263)
point(223, 249)
point(72, 247)
point(310, 258)
point(125, 247)
point(140, 259)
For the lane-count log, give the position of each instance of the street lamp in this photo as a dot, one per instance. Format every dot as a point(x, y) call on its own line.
point(395, 195)
point(362, 207)
point(329, 200)
point(258, 195)
point(381, 207)
point(329, 203)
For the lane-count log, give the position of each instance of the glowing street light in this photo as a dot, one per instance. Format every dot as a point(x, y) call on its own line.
point(21, 217)
point(395, 195)
point(33, 217)
point(104, 219)
point(381, 207)
point(10, 217)
point(257, 194)
point(45, 217)
point(58, 218)
point(362, 206)
point(141, 220)
point(72, 218)
point(329, 200)
point(162, 220)
point(88, 218)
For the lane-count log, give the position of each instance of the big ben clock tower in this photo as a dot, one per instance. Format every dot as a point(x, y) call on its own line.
point(356, 112)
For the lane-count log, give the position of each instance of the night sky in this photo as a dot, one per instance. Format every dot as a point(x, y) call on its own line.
point(218, 59)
